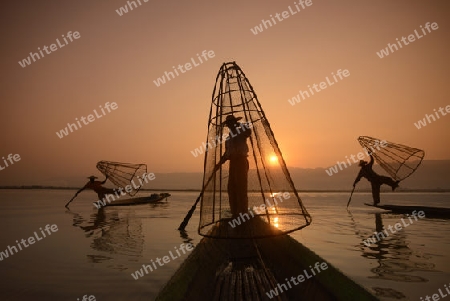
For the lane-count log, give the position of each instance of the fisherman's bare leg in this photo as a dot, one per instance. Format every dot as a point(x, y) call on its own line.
point(237, 185)
point(232, 197)
point(100, 195)
point(389, 181)
point(108, 191)
point(376, 193)
point(242, 198)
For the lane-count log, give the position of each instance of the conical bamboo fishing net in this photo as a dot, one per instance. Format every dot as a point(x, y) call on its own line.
point(398, 160)
point(124, 174)
point(272, 198)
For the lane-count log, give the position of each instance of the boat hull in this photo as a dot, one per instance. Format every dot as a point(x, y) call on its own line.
point(430, 212)
point(238, 269)
point(140, 200)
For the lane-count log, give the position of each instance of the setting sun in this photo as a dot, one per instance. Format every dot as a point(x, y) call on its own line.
point(273, 159)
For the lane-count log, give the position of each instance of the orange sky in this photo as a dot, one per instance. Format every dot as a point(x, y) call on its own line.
point(117, 58)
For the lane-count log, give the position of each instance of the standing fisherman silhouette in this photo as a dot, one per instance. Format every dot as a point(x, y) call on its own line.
point(375, 179)
point(236, 151)
point(96, 186)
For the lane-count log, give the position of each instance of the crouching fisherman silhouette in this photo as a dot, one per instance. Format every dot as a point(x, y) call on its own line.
point(375, 179)
point(97, 187)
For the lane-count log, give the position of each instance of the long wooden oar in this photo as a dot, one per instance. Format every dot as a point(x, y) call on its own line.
point(350, 198)
point(189, 214)
point(71, 200)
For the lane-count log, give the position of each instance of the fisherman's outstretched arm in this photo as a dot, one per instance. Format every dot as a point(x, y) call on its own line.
point(80, 190)
point(222, 160)
point(225, 156)
point(371, 160)
point(105, 180)
point(358, 178)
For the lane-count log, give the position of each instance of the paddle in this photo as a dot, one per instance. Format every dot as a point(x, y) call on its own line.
point(350, 198)
point(71, 199)
point(189, 214)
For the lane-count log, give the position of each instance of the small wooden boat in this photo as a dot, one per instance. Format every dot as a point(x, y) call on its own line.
point(251, 269)
point(430, 212)
point(153, 198)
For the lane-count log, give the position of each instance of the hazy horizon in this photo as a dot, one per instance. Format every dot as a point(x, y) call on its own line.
point(431, 175)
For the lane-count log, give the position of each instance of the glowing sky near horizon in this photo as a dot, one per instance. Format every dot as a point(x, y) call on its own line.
point(117, 58)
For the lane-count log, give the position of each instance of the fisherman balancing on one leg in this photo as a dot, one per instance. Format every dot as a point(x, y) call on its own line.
point(96, 186)
point(236, 151)
point(375, 179)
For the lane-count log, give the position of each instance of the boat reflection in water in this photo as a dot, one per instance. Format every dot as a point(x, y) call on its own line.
point(113, 234)
point(116, 235)
point(396, 261)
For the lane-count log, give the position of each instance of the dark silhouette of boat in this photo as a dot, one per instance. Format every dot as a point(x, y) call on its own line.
point(430, 212)
point(153, 198)
point(249, 269)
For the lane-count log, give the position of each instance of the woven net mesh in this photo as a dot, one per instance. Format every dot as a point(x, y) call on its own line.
point(398, 160)
point(271, 195)
point(124, 174)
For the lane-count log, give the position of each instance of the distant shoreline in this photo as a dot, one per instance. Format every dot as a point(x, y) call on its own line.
point(198, 190)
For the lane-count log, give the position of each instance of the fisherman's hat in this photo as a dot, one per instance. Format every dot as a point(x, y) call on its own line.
point(231, 119)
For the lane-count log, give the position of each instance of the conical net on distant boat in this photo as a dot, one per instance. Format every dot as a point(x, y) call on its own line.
point(124, 174)
point(248, 191)
point(398, 160)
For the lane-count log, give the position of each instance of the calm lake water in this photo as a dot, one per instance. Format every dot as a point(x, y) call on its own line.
point(94, 252)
